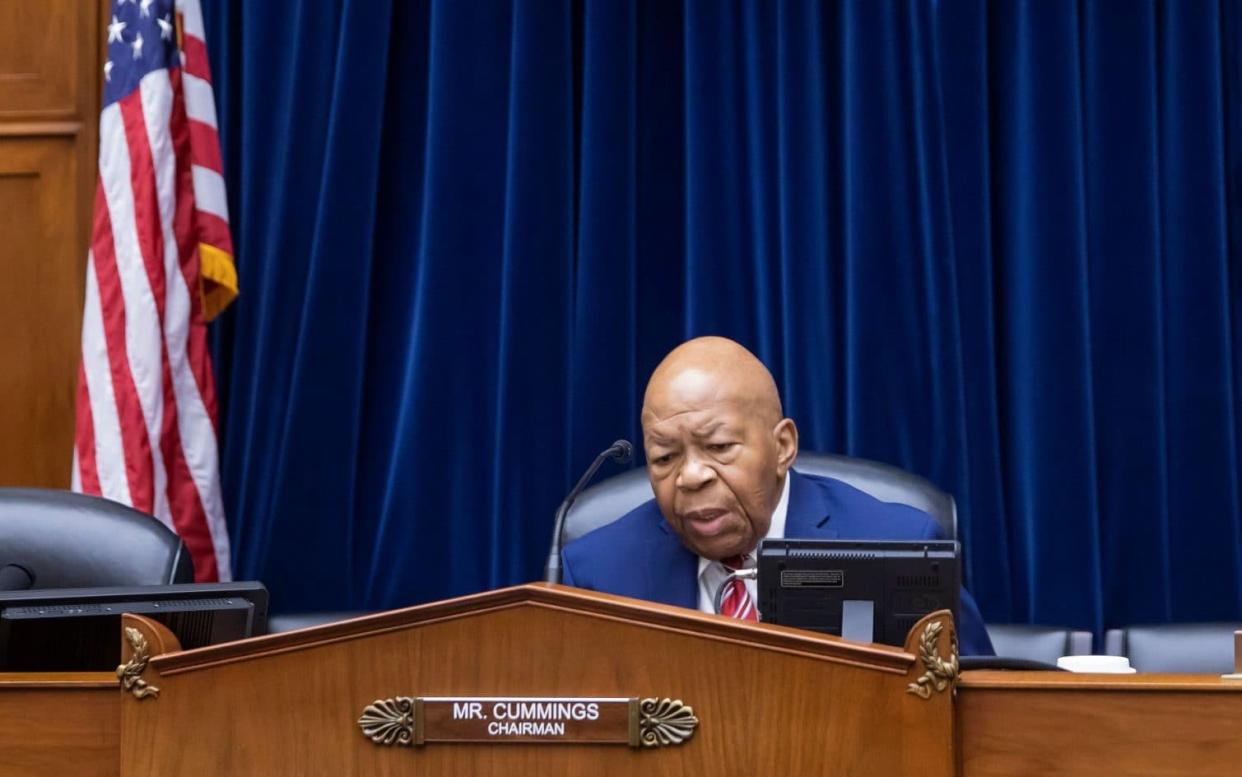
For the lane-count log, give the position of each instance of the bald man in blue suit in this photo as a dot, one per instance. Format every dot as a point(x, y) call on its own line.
point(720, 457)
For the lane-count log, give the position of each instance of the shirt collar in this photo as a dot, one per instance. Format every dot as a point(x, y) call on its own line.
point(776, 530)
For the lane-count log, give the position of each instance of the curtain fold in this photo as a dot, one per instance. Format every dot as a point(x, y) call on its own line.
point(993, 243)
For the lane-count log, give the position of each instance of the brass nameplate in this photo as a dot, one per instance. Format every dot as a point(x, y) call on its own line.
point(418, 720)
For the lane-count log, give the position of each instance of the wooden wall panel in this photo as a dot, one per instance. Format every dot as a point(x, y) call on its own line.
point(40, 301)
point(41, 51)
point(50, 57)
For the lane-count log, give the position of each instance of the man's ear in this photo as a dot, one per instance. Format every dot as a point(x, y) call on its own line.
point(786, 434)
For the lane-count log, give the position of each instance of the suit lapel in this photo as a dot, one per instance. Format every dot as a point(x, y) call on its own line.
point(674, 577)
point(809, 516)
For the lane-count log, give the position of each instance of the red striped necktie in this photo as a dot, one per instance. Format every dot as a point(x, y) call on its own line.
point(736, 602)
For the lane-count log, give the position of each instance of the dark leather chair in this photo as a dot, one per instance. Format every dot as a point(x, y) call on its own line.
point(1038, 643)
point(1175, 647)
point(72, 540)
point(609, 500)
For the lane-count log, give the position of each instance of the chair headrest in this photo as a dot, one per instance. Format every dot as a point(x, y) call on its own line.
point(1038, 643)
point(73, 540)
point(1199, 648)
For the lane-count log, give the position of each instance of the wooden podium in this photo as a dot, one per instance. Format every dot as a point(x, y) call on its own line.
point(764, 700)
point(548, 680)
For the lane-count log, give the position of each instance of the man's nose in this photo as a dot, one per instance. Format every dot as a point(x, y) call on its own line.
point(694, 474)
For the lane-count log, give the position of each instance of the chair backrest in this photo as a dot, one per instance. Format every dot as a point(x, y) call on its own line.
point(1175, 647)
point(1038, 643)
point(75, 541)
point(607, 501)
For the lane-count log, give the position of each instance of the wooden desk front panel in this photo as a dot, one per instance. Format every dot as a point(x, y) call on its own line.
point(59, 724)
point(1035, 723)
point(762, 710)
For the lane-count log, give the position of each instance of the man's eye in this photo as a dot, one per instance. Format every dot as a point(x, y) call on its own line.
point(665, 459)
point(720, 447)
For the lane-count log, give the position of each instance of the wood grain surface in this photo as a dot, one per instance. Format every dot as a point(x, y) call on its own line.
point(769, 700)
point(50, 85)
point(1048, 723)
point(55, 724)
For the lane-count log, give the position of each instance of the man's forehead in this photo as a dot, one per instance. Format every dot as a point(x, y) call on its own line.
point(722, 415)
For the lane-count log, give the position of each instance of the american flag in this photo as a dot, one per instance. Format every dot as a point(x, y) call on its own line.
point(160, 265)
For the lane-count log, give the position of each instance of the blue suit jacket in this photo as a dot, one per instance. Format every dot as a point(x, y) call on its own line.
point(638, 555)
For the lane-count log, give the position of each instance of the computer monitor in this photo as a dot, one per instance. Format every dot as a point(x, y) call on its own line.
point(861, 590)
point(79, 629)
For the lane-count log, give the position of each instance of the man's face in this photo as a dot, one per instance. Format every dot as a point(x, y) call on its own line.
point(715, 464)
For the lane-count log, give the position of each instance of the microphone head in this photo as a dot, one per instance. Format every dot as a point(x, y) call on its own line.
point(623, 451)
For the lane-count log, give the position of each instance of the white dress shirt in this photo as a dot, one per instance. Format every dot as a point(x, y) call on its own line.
point(713, 573)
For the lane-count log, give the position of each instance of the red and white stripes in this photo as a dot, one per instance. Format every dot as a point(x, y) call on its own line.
point(736, 601)
point(146, 409)
point(212, 210)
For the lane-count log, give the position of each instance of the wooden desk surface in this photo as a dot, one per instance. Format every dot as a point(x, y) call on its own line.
point(59, 723)
point(768, 700)
point(1007, 723)
point(1051, 723)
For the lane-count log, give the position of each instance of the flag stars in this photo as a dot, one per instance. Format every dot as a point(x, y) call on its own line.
point(142, 37)
point(114, 31)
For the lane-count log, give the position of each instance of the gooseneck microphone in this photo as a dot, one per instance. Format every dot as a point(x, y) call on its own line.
point(15, 577)
point(621, 452)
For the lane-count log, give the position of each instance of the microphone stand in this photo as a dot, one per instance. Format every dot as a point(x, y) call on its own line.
point(620, 452)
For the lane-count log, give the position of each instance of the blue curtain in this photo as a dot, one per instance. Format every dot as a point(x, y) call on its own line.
point(994, 243)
